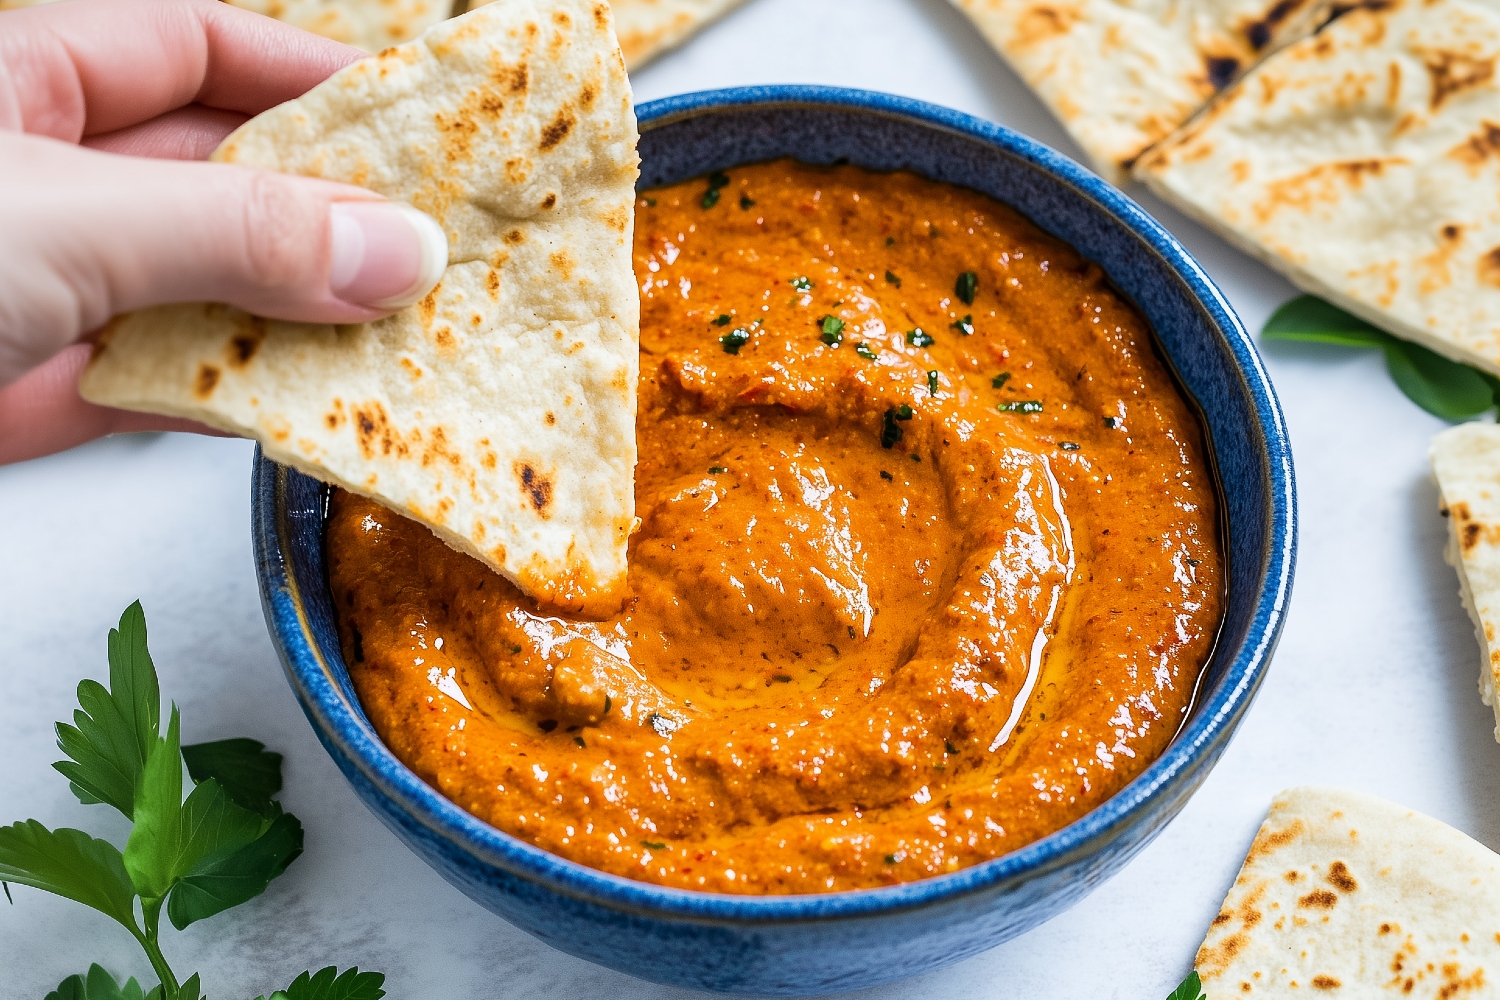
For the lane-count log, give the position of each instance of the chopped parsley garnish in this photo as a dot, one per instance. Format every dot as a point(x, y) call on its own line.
point(915, 457)
point(608, 704)
point(1068, 445)
point(716, 470)
point(932, 229)
point(865, 351)
point(802, 283)
point(903, 412)
point(650, 202)
point(833, 329)
point(891, 278)
point(949, 748)
point(654, 845)
point(889, 432)
point(746, 202)
point(890, 240)
point(887, 476)
point(735, 339)
point(781, 678)
point(1111, 422)
point(723, 320)
point(716, 180)
point(890, 859)
point(579, 741)
point(1020, 406)
point(965, 287)
point(964, 326)
point(917, 337)
point(999, 380)
point(932, 383)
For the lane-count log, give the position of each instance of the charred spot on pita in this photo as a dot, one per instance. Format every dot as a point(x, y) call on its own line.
point(559, 128)
point(1221, 70)
point(536, 487)
point(207, 379)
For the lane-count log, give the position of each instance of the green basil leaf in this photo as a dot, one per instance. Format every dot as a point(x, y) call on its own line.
point(1308, 318)
point(1442, 387)
point(71, 864)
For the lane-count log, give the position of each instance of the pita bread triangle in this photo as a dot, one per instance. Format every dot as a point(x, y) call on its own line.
point(1347, 895)
point(647, 28)
point(500, 410)
point(1466, 464)
point(1362, 163)
point(1123, 74)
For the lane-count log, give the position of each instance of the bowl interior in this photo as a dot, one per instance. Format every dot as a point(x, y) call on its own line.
point(1197, 331)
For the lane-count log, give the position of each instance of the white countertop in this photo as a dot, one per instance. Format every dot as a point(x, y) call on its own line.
point(1373, 687)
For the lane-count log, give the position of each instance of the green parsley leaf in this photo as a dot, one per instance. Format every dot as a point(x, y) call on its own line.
point(249, 773)
point(71, 864)
point(865, 351)
point(889, 432)
point(964, 326)
point(155, 841)
point(114, 729)
point(918, 338)
point(1112, 422)
point(714, 470)
point(716, 180)
point(710, 198)
point(650, 202)
point(903, 412)
point(892, 279)
point(1020, 406)
point(723, 319)
point(746, 202)
point(653, 845)
point(1442, 387)
point(235, 868)
point(965, 287)
point(802, 283)
point(1190, 988)
point(887, 476)
point(833, 329)
point(734, 340)
point(190, 990)
point(328, 984)
point(999, 380)
point(97, 985)
point(579, 741)
point(932, 383)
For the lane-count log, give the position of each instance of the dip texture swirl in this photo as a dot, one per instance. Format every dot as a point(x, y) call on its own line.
point(927, 568)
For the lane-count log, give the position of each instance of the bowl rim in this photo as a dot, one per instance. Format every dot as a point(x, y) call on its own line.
point(344, 729)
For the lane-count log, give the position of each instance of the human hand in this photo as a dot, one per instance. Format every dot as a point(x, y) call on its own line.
point(102, 102)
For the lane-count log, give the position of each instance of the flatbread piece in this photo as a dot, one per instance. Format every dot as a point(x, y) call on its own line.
point(1346, 895)
point(501, 409)
point(371, 25)
point(1364, 163)
point(647, 28)
point(1466, 464)
point(1123, 74)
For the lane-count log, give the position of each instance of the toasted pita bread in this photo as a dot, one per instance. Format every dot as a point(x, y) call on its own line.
point(1346, 895)
point(1123, 74)
point(1361, 163)
point(1466, 464)
point(371, 25)
point(647, 28)
point(501, 409)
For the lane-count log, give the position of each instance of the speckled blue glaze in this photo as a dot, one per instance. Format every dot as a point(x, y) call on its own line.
point(841, 941)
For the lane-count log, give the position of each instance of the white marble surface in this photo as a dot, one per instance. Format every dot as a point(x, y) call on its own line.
point(1373, 687)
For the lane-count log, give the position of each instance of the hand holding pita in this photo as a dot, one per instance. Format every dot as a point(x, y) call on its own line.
point(103, 103)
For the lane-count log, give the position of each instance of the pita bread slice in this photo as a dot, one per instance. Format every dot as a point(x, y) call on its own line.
point(1466, 464)
point(1364, 163)
point(647, 28)
point(371, 25)
point(1347, 895)
point(501, 409)
point(1123, 74)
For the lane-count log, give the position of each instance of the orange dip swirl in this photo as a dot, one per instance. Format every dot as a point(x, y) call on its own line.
point(927, 568)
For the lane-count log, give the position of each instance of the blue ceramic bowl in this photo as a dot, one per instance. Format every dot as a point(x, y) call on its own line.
point(827, 943)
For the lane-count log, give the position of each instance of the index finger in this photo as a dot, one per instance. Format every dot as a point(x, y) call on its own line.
point(82, 67)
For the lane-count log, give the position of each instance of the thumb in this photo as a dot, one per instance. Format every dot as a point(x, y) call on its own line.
point(85, 235)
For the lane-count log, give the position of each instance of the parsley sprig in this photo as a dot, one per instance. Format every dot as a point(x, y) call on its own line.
point(1190, 988)
point(193, 857)
point(1442, 387)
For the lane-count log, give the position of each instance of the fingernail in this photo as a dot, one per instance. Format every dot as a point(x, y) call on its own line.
point(385, 255)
